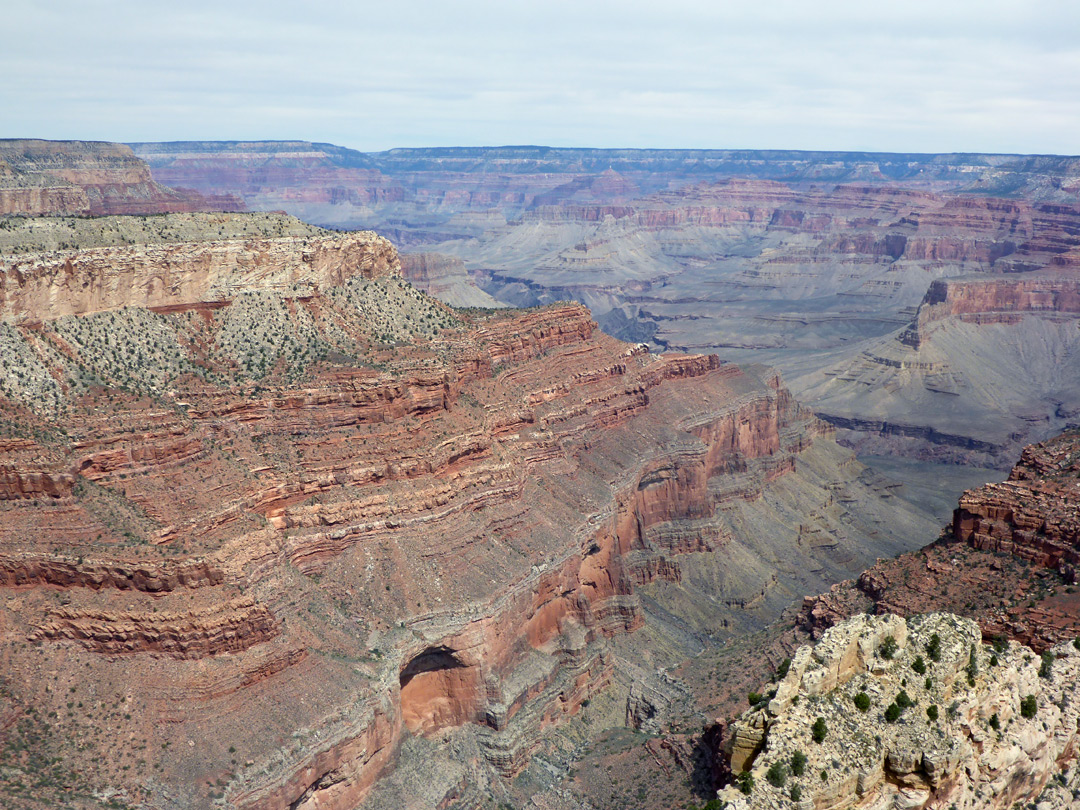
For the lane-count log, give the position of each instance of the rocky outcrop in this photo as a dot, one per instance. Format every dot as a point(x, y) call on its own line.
point(227, 627)
point(947, 721)
point(999, 299)
point(1035, 514)
point(445, 278)
point(47, 178)
point(41, 287)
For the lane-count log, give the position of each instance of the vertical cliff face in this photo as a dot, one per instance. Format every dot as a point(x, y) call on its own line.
point(81, 282)
point(947, 722)
point(1035, 514)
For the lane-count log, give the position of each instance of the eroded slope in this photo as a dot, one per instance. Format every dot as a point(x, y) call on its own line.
point(297, 512)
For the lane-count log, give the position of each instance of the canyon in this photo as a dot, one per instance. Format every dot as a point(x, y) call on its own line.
point(278, 529)
point(289, 519)
point(824, 265)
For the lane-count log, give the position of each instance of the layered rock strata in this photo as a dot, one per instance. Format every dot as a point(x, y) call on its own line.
point(41, 287)
point(286, 529)
point(85, 177)
point(1035, 514)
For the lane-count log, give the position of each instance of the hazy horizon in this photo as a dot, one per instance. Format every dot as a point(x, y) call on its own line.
point(925, 77)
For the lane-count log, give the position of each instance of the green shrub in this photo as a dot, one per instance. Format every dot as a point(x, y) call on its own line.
point(995, 722)
point(862, 702)
point(972, 667)
point(745, 781)
point(819, 731)
point(1029, 706)
point(777, 774)
point(892, 713)
point(798, 763)
point(933, 647)
point(782, 670)
point(796, 793)
point(1001, 644)
point(888, 648)
point(929, 684)
point(932, 713)
point(1047, 664)
point(753, 698)
point(919, 665)
point(904, 701)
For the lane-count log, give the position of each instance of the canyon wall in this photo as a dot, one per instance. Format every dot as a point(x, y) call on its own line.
point(282, 532)
point(1035, 514)
point(79, 282)
point(89, 177)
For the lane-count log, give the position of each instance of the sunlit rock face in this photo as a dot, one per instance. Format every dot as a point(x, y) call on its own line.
point(946, 721)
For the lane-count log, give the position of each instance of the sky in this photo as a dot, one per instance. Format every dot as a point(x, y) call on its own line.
point(912, 76)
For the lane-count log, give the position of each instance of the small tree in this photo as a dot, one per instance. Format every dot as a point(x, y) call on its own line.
point(753, 698)
point(972, 667)
point(777, 774)
point(745, 781)
point(819, 731)
point(933, 647)
point(888, 648)
point(932, 713)
point(796, 793)
point(1029, 706)
point(862, 702)
point(903, 700)
point(798, 763)
point(782, 670)
point(995, 722)
point(1047, 664)
point(919, 665)
point(892, 713)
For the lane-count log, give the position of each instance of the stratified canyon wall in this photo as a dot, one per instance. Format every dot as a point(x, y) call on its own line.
point(89, 177)
point(269, 515)
point(1035, 514)
point(813, 262)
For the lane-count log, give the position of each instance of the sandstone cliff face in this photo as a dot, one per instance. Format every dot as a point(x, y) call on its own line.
point(76, 177)
point(47, 286)
point(976, 748)
point(1035, 514)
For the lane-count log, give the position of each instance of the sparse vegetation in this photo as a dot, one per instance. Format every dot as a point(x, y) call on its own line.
point(777, 774)
point(1029, 706)
point(798, 763)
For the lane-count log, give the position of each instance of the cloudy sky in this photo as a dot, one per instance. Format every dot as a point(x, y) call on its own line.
point(947, 75)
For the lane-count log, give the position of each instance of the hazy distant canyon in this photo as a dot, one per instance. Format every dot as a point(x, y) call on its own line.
point(924, 304)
